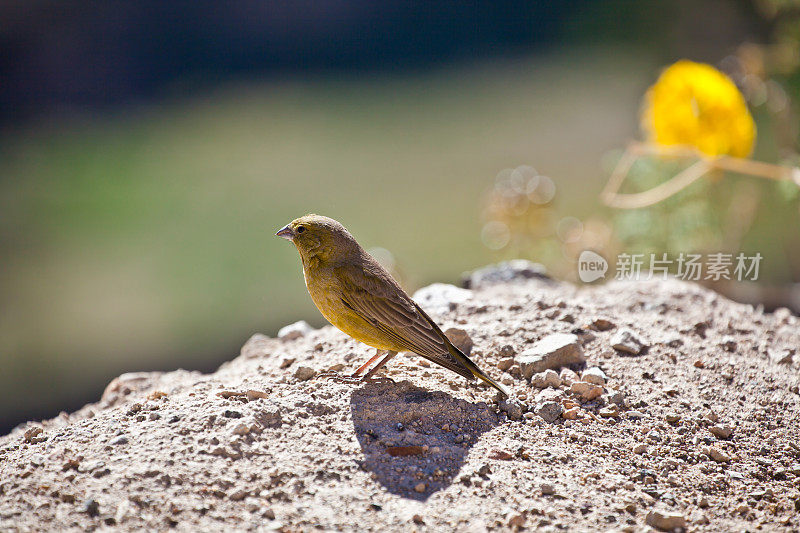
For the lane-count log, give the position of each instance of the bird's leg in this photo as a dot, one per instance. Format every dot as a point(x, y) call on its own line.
point(356, 377)
point(363, 367)
point(377, 367)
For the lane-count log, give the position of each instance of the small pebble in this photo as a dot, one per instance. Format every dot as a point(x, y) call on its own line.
point(699, 518)
point(718, 455)
point(616, 397)
point(587, 391)
point(34, 435)
point(256, 394)
point(549, 410)
point(665, 520)
point(568, 376)
point(626, 341)
point(571, 414)
point(91, 507)
point(508, 351)
point(518, 521)
point(553, 351)
point(654, 436)
point(721, 432)
point(601, 324)
point(594, 375)
point(505, 363)
point(728, 344)
point(548, 378)
point(239, 495)
point(461, 339)
point(304, 373)
point(512, 407)
point(609, 412)
point(781, 357)
point(295, 331)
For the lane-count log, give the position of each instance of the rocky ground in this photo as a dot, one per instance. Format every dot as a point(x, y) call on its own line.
point(677, 409)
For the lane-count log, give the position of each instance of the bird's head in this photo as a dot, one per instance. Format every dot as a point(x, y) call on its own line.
point(319, 237)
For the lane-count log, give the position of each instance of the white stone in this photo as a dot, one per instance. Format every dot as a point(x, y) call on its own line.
point(301, 328)
point(594, 375)
point(548, 378)
point(626, 341)
point(553, 351)
point(439, 297)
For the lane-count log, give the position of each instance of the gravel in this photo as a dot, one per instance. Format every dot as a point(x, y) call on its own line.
point(662, 444)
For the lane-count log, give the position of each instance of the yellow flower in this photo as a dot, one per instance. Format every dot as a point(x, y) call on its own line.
point(696, 105)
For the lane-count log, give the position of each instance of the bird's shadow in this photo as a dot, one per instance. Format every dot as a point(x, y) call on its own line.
point(415, 441)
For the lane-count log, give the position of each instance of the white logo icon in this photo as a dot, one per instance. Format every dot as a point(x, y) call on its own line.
point(591, 266)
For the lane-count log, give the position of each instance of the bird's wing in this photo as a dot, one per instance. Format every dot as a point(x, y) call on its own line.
point(372, 294)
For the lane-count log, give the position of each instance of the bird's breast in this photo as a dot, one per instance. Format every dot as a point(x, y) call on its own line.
point(326, 292)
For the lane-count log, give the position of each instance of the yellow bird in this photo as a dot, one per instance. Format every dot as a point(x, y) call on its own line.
point(355, 294)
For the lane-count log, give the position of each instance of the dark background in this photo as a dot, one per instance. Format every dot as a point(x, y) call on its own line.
point(77, 54)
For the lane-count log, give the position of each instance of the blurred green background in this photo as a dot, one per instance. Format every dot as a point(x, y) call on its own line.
point(137, 219)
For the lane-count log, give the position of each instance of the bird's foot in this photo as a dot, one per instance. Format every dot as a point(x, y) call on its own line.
point(377, 379)
point(339, 377)
point(353, 379)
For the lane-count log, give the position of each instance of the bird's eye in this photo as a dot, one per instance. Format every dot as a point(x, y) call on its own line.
point(301, 229)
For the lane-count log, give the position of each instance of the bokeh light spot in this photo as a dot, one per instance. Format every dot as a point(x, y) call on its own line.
point(495, 235)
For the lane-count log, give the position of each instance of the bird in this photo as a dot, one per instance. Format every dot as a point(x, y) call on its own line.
point(360, 298)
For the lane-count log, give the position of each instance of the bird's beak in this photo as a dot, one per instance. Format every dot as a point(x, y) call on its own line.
point(285, 232)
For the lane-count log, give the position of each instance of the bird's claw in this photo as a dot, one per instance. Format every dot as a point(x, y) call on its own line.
point(352, 379)
point(378, 379)
point(338, 377)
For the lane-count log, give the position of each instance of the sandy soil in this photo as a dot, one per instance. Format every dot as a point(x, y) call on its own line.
point(698, 430)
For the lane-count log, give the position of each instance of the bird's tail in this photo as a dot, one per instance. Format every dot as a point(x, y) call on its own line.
point(463, 362)
point(477, 372)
